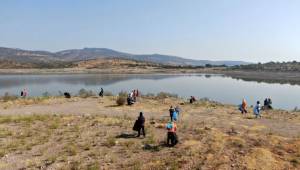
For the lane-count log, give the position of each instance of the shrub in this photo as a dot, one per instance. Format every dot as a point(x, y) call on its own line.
point(123, 94)
point(46, 94)
point(8, 97)
point(85, 93)
point(163, 95)
point(121, 100)
point(110, 142)
point(60, 93)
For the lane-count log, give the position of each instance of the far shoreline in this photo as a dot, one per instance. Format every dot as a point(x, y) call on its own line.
point(292, 78)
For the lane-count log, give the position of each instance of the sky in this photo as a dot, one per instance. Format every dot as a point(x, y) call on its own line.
point(248, 30)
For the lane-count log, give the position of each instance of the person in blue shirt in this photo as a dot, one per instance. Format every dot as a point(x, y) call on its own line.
point(257, 109)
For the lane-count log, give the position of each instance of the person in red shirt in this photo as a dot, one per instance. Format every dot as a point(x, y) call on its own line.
point(172, 136)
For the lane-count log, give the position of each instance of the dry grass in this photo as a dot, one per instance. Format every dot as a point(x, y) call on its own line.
point(211, 137)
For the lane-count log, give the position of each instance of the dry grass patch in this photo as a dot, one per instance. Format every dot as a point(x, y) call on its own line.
point(261, 159)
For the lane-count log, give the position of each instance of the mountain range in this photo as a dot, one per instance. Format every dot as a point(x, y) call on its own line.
point(46, 59)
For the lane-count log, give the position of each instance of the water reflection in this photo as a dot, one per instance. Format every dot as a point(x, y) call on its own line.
point(85, 79)
point(216, 87)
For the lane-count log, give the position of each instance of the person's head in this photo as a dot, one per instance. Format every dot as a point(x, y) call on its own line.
point(171, 107)
point(141, 113)
point(257, 102)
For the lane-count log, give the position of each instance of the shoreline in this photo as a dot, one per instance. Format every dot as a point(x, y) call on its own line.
point(258, 76)
point(157, 96)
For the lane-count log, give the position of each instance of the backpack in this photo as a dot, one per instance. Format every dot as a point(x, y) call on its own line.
point(135, 126)
point(169, 126)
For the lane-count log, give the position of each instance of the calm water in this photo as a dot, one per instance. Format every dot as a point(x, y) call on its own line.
point(215, 87)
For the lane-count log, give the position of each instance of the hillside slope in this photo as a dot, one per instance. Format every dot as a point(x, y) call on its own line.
point(43, 59)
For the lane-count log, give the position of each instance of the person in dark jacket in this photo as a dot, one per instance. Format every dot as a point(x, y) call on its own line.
point(192, 99)
point(171, 111)
point(101, 92)
point(67, 95)
point(141, 125)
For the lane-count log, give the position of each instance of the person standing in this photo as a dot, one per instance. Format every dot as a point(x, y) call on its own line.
point(257, 109)
point(171, 111)
point(101, 92)
point(24, 93)
point(243, 107)
point(141, 125)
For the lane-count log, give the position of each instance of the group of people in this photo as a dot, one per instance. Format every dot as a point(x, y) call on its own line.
point(171, 126)
point(131, 99)
point(24, 93)
point(257, 108)
point(192, 99)
point(268, 103)
point(174, 113)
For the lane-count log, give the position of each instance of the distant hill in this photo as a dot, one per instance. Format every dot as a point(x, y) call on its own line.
point(66, 58)
point(94, 53)
point(18, 58)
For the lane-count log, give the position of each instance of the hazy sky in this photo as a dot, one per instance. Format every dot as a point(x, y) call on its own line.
point(250, 30)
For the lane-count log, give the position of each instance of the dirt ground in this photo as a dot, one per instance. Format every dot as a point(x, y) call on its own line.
point(95, 133)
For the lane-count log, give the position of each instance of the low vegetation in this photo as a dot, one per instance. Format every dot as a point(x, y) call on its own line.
point(211, 135)
point(85, 93)
point(8, 97)
point(293, 66)
point(122, 98)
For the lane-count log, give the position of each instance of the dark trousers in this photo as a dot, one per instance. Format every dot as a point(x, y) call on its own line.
point(243, 110)
point(172, 138)
point(142, 128)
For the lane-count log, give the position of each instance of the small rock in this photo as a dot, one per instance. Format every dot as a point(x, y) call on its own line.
point(241, 152)
point(207, 128)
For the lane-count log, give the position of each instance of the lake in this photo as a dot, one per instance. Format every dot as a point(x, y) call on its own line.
point(215, 87)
